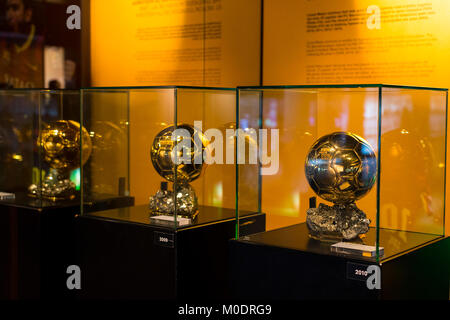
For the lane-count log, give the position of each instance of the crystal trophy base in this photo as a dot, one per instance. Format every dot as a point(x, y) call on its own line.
point(55, 186)
point(163, 203)
point(336, 223)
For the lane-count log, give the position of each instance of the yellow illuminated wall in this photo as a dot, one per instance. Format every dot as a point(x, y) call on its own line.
point(175, 42)
point(401, 42)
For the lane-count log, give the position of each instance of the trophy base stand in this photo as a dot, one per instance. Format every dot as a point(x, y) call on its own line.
point(166, 202)
point(185, 262)
point(336, 223)
point(416, 267)
point(55, 187)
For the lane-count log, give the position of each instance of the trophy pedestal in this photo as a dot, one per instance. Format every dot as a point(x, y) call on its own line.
point(183, 200)
point(287, 264)
point(38, 244)
point(124, 255)
point(56, 186)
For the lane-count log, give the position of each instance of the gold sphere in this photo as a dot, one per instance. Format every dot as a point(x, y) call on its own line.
point(341, 167)
point(59, 142)
point(163, 149)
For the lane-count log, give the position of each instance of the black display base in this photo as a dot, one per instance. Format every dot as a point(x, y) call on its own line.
point(287, 264)
point(38, 244)
point(125, 256)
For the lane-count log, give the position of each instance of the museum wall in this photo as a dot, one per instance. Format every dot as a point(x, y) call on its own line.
point(402, 42)
point(175, 42)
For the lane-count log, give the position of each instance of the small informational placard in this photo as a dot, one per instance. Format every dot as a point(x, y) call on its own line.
point(7, 196)
point(169, 220)
point(356, 249)
point(164, 239)
point(357, 271)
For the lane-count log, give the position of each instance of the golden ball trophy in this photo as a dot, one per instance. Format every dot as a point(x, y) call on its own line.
point(165, 149)
point(59, 144)
point(341, 168)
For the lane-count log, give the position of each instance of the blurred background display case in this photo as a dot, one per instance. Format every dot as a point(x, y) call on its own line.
point(359, 181)
point(39, 189)
point(43, 150)
point(165, 147)
point(40, 147)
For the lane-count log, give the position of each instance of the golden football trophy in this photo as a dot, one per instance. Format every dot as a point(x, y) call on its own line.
point(341, 168)
point(59, 143)
point(166, 148)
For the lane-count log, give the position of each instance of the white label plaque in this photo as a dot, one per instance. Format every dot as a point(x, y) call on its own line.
point(170, 220)
point(356, 249)
point(7, 196)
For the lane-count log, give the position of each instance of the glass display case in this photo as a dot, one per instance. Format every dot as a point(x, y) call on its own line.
point(171, 150)
point(164, 147)
point(353, 170)
point(39, 189)
point(40, 147)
